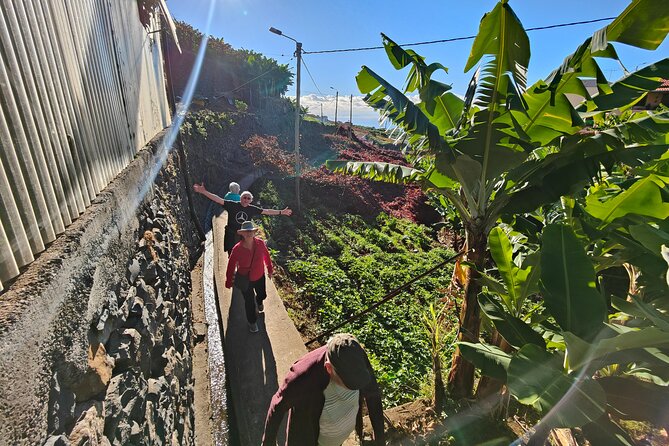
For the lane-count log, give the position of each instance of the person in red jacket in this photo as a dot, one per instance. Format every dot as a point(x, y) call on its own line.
point(249, 259)
point(323, 393)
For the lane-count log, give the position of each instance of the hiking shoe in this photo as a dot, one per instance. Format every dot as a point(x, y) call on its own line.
point(253, 328)
point(261, 307)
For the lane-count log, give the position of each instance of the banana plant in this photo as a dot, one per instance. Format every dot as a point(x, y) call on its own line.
point(569, 378)
point(519, 276)
point(629, 215)
point(506, 148)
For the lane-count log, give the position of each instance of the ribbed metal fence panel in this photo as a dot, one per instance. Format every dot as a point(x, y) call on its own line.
point(82, 88)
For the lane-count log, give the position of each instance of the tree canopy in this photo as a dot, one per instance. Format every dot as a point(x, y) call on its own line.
point(234, 73)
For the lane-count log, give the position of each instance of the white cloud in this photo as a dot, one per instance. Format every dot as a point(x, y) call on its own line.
point(362, 113)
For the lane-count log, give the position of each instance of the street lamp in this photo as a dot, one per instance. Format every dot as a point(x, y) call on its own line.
point(298, 55)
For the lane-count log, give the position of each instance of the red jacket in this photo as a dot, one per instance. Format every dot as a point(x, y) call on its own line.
point(301, 394)
point(240, 260)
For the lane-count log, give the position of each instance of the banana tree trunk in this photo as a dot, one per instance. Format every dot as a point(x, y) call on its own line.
point(489, 386)
point(461, 377)
point(439, 397)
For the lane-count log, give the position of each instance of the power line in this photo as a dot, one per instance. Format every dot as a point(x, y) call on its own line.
point(454, 39)
point(312, 78)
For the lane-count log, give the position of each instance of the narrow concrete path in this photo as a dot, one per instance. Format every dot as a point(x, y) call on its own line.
point(255, 362)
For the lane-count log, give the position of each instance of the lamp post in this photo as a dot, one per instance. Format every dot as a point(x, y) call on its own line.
point(298, 55)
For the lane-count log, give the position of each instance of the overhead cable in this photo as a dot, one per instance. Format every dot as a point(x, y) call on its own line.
point(312, 78)
point(455, 39)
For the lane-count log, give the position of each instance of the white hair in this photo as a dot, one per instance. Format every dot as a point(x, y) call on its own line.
point(245, 194)
point(234, 188)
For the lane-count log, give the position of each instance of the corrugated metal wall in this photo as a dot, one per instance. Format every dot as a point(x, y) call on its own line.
point(82, 88)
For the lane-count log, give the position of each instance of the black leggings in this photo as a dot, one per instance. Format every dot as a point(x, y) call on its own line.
point(230, 239)
point(254, 294)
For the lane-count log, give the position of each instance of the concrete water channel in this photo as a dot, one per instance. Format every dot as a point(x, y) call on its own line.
point(245, 368)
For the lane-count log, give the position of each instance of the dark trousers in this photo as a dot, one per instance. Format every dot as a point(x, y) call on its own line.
point(230, 239)
point(254, 294)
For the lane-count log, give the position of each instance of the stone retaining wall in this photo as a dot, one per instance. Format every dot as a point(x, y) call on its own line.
point(95, 336)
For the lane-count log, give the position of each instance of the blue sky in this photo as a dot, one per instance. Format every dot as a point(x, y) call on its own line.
point(341, 24)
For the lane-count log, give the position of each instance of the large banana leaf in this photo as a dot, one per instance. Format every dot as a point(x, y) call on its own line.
point(644, 197)
point(496, 86)
point(550, 113)
point(632, 88)
point(516, 332)
point(502, 36)
point(520, 283)
point(604, 432)
point(544, 180)
point(580, 352)
point(420, 74)
point(492, 360)
point(535, 377)
point(446, 112)
point(644, 23)
point(633, 399)
point(543, 121)
point(642, 310)
point(568, 281)
point(651, 364)
point(564, 77)
point(651, 237)
point(488, 143)
point(405, 112)
point(386, 172)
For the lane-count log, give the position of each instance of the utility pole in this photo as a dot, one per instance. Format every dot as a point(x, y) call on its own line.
point(298, 55)
point(322, 121)
point(336, 104)
point(350, 119)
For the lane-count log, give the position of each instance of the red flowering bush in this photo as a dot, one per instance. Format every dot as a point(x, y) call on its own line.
point(343, 193)
point(267, 155)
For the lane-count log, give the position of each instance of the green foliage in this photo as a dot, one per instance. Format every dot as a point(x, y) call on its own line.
point(535, 377)
point(197, 123)
point(506, 149)
point(241, 106)
point(348, 270)
point(589, 364)
point(340, 265)
point(568, 283)
point(241, 74)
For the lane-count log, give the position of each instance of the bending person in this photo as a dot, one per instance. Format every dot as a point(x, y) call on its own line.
point(246, 271)
point(323, 393)
point(238, 213)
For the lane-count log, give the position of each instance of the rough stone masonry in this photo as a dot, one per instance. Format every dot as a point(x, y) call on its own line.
point(95, 336)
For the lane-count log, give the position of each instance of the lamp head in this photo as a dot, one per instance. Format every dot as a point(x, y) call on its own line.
point(275, 31)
